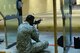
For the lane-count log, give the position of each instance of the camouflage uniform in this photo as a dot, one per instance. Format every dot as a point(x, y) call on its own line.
point(26, 32)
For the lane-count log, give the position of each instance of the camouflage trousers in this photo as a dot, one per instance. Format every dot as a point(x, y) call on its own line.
point(37, 47)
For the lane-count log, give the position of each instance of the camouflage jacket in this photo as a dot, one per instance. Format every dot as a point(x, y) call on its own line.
point(25, 33)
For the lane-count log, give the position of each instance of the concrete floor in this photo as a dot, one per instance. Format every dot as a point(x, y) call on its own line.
point(48, 36)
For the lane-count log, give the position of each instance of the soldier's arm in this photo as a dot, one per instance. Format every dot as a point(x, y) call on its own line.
point(35, 35)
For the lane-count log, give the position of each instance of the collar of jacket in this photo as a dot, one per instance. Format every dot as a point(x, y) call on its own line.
point(25, 22)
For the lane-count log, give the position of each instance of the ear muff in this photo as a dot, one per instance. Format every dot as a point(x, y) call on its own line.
point(60, 41)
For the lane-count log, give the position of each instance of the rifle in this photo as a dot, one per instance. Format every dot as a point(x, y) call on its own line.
point(37, 22)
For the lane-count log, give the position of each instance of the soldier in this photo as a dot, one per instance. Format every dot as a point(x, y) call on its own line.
point(19, 7)
point(19, 10)
point(26, 32)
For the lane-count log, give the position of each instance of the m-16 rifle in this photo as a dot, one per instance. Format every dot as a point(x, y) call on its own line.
point(37, 22)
